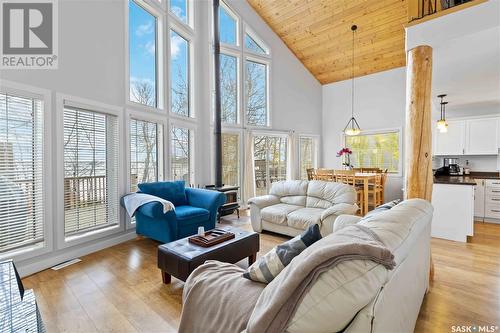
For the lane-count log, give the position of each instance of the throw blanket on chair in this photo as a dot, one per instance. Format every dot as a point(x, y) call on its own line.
point(133, 201)
point(210, 305)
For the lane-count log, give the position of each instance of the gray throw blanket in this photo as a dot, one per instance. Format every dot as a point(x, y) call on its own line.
point(133, 201)
point(218, 299)
point(280, 299)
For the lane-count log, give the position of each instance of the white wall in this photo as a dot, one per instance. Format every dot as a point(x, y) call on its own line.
point(379, 104)
point(92, 57)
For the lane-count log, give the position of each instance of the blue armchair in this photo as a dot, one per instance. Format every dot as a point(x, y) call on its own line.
point(193, 208)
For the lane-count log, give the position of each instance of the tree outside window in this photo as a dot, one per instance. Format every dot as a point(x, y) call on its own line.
point(377, 150)
point(256, 93)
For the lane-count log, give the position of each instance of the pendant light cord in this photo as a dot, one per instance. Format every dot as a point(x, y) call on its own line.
point(352, 75)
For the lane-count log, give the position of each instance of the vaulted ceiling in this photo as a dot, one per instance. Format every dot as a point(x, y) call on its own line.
point(319, 33)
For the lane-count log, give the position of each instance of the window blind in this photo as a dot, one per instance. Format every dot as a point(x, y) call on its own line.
point(90, 170)
point(143, 152)
point(21, 172)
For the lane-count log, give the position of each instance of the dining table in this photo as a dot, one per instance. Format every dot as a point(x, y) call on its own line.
point(365, 179)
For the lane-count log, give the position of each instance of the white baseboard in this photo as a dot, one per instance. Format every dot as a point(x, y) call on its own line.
point(32, 266)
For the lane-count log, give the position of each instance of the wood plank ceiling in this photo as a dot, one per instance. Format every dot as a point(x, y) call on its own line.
point(319, 33)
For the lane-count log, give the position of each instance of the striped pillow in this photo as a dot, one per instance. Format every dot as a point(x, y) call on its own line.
point(266, 268)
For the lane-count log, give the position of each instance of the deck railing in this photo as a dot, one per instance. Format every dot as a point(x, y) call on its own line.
point(418, 9)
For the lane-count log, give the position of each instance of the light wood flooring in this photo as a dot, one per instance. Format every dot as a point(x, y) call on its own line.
point(119, 289)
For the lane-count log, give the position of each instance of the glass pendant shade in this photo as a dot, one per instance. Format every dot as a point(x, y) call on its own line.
point(442, 125)
point(352, 128)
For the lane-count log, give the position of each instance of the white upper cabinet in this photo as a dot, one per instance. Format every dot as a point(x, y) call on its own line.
point(451, 142)
point(481, 136)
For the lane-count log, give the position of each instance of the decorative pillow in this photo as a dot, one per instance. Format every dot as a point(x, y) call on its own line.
point(266, 268)
point(383, 207)
point(174, 192)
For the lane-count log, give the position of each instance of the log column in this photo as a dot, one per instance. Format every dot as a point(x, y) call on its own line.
point(418, 135)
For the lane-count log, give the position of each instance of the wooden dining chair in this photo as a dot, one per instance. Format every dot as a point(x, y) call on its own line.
point(311, 173)
point(349, 177)
point(371, 170)
point(325, 175)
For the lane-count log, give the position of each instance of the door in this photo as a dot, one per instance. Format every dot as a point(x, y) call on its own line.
point(479, 198)
point(481, 136)
point(451, 142)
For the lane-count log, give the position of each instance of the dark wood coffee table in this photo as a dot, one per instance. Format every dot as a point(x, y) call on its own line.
point(180, 258)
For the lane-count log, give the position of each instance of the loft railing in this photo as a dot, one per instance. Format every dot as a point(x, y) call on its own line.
point(418, 9)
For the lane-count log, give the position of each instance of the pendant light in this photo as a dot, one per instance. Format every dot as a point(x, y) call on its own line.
point(442, 125)
point(352, 128)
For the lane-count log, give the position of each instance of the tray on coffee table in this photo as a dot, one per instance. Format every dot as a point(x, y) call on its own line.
point(211, 237)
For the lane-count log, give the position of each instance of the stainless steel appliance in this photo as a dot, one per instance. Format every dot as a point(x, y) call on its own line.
point(450, 167)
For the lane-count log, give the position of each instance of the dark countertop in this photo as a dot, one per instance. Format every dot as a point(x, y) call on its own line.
point(466, 179)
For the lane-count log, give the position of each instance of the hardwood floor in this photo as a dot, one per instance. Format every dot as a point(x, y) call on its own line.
point(119, 289)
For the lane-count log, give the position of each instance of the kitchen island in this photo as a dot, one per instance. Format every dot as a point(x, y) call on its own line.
point(456, 200)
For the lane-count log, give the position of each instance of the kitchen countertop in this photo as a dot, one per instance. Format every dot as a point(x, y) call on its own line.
point(466, 179)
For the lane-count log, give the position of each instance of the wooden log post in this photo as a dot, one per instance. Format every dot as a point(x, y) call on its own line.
point(418, 136)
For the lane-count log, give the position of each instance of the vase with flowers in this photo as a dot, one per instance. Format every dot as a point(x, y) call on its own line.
point(346, 152)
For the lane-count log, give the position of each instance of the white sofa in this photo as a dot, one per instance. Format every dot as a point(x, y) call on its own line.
point(293, 205)
point(353, 296)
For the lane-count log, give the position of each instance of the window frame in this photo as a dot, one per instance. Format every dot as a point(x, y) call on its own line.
point(265, 62)
point(190, 14)
point(181, 31)
point(62, 101)
point(398, 130)
point(23, 90)
point(162, 123)
point(192, 148)
point(257, 40)
point(160, 57)
point(316, 139)
point(238, 20)
point(273, 133)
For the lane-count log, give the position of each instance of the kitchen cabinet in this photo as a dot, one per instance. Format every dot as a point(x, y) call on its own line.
point(492, 200)
point(451, 142)
point(479, 199)
point(481, 136)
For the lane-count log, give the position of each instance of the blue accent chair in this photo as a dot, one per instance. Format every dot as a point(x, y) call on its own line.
point(193, 208)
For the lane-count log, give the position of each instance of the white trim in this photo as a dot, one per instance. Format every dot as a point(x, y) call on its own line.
point(62, 101)
point(398, 130)
point(28, 267)
point(260, 42)
point(155, 10)
point(45, 96)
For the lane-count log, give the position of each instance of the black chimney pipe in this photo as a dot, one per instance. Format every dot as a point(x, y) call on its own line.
point(218, 111)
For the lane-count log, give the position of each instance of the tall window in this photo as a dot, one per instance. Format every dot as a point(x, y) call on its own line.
point(376, 150)
point(180, 9)
point(21, 172)
point(180, 158)
point(142, 55)
point(90, 170)
point(256, 93)
point(270, 161)
point(144, 142)
point(307, 155)
point(231, 159)
point(229, 88)
point(228, 26)
point(179, 74)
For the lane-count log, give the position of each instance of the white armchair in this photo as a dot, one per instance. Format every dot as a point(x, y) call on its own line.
point(294, 205)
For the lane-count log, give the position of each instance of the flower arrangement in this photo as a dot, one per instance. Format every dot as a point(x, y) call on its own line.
point(347, 160)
